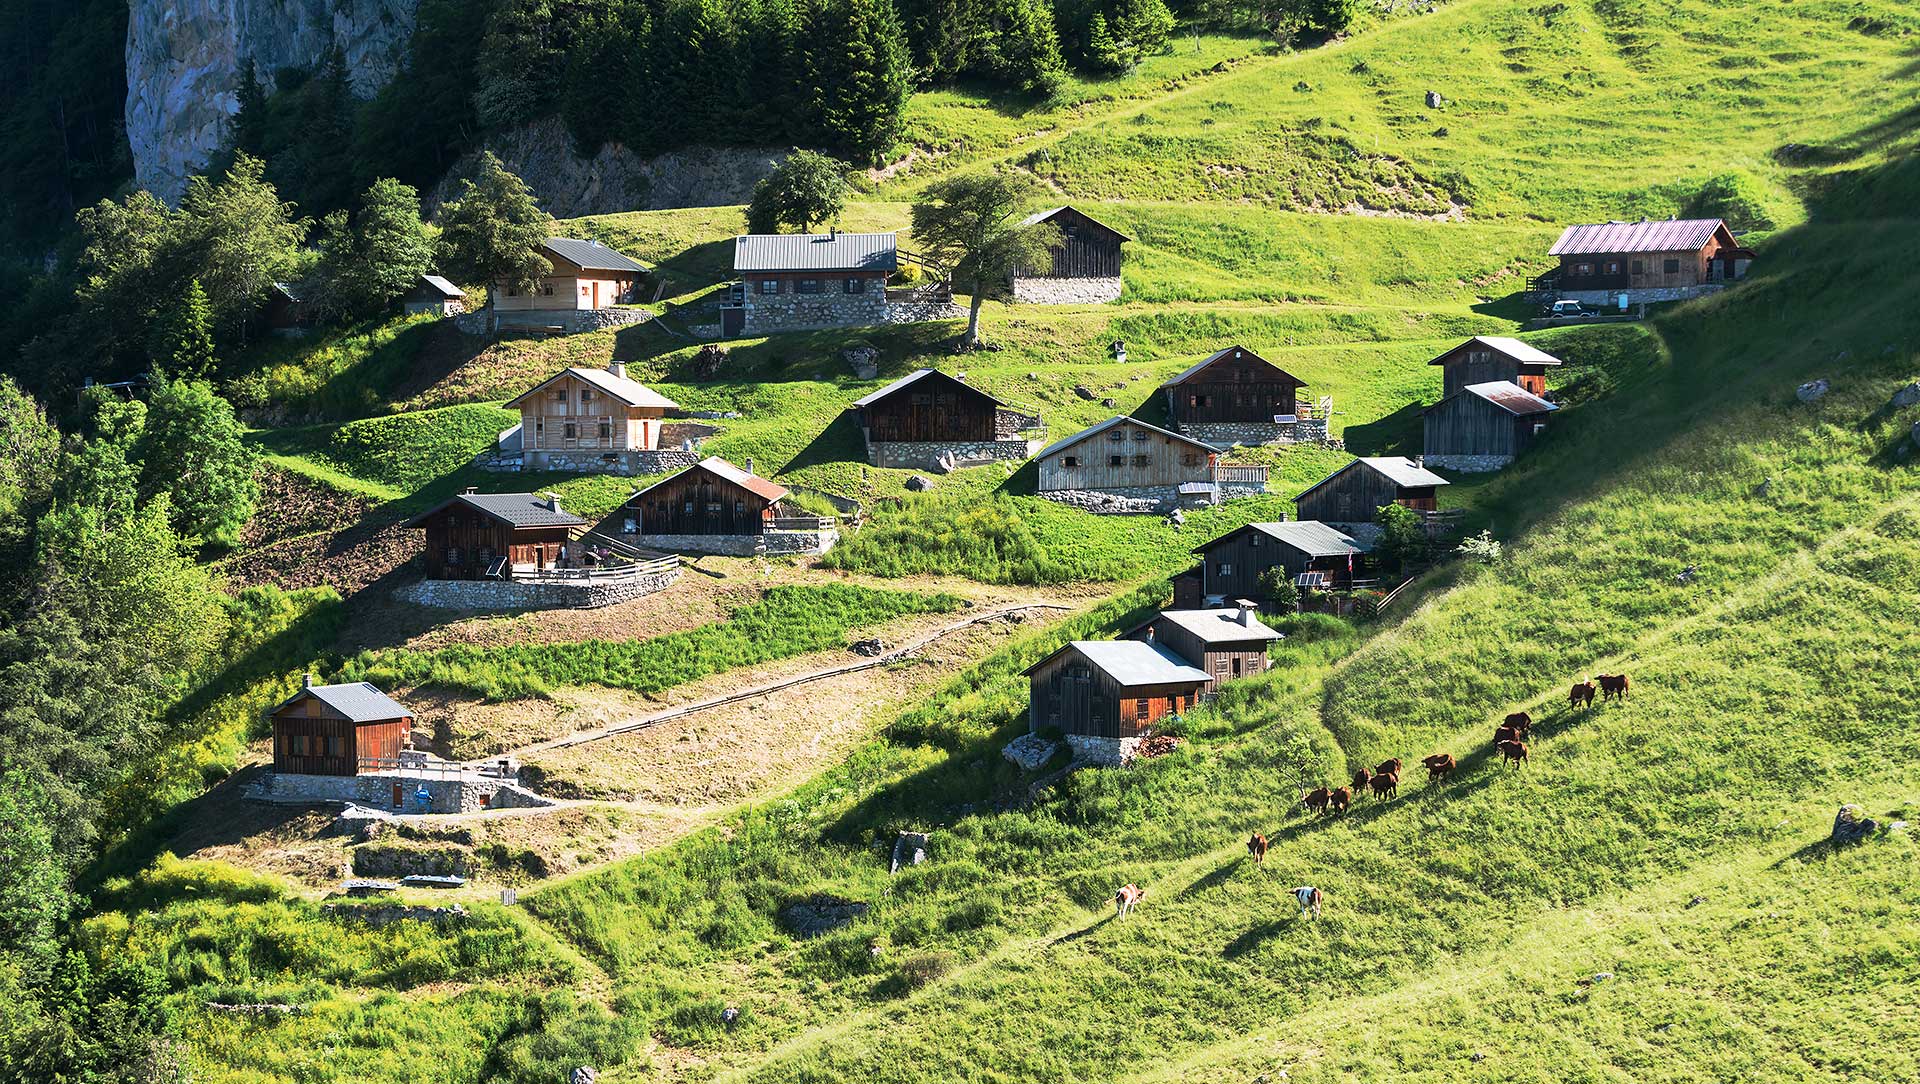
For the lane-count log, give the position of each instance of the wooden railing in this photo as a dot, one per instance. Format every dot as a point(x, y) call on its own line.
point(1241, 474)
point(606, 574)
point(802, 523)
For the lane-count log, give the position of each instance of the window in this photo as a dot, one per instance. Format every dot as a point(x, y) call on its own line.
point(1639, 267)
point(333, 745)
point(1613, 267)
point(1224, 568)
point(1069, 460)
point(606, 430)
point(769, 286)
point(453, 521)
point(713, 507)
point(1142, 435)
point(1141, 708)
point(1193, 400)
point(1673, 267)
point(688, 507)
point(513, 291)
point(739, 508)
point(558, 395)
point(1583, 269)
point(453, 555)
point(1116, 460)
point(856, 286)
point(1142, 460)
point(629, 525)
point(547, 290)
point(807, 286)
point(1539, 428)
point(1255, 539)
point(1190, 459)
point(572, 432)
point(1117, 435)
point(586, 395)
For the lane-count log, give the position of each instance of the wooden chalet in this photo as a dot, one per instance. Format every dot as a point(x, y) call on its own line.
point(1125, 455)
point(435, 295)
point(492, 535)
point(1356, 491)
point(585, 275)
point(578, 413)
point(1226, 643)
point(338, 730)
point(1648, 260)
point(772, 264)
point(1110, 689)
point(1233, 564)
point(1487, 358)
point(1484, 426)
point(1083, 267)
point(928, 406)
point(1232, 385)
point(712, 497)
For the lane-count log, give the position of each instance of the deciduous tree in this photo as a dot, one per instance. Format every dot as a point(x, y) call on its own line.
point(806, 188)
point(493, 232)
point(971, 225)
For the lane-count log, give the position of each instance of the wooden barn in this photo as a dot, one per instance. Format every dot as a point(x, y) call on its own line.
point(585, 275)
point(1110, 691)
point(435, 295)
point(1660, 260)
point(927, 405)
point(1483, 427)
point(1084, 267)
point(338, 730)
point(492, 535)
point(716, 507)
point(1231, 391)
point(588, 419)
point(1354, 492)
point(1128, 457)
point(1227, 643)
point(1487, 358)
point(1232, 565)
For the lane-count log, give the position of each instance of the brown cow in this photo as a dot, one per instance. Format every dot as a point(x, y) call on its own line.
point(1361, 777)
point(1438, 765)
point(1515, 752)
point(1504, 733)
point(1125, 900)
point(1612, 685)
point(1388, 767)
point(1522, 723)
point(1386, 784)
point(1316, 800)
point(1257, 847)
point(1340, 800)
point(1581, 695)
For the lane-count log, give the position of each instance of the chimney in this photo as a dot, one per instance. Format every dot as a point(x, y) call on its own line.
point(617, 367)
point(1249, 613)
point(306, 680)
point(471, 490)
point(552, 502)
point(749, 464)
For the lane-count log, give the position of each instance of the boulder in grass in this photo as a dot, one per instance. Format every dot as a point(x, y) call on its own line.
point(1434, 100)
point(919, 483)
point(818, 915)
point(1030, 752)
point(1851, 825)
point(1906, 396)
point(1812, 391)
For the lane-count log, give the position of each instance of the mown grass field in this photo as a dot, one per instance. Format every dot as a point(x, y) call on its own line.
point(1670, 843)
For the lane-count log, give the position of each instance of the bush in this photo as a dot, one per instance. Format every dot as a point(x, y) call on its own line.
point(918, 971)
point(1482, 547)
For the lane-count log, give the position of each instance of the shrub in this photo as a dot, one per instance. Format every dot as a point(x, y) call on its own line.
point(918, 971)
point(1746, 202)
point(1482, 547)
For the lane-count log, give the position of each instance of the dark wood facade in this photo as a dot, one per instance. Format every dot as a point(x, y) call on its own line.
point(1088, 248)
point(1234, 385)
point(1466, 424)
point(1231, 565)
point(699, 500)
point(1071, 694)
point(1223, 660)
point(855, 282)
point(1653, 265)
point(1355, 492)
point(1477, 362)
point(935, 407)
point(1187, 589)
point(311, 738)
point(463, 542)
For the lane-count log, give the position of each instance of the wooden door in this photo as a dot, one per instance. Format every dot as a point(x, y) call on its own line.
point(733, 321)
point(398, 795)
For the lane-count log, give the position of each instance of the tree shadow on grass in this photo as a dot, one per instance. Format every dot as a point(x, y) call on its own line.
point(839, 442)
point(1514, 307)
point(1259, 935)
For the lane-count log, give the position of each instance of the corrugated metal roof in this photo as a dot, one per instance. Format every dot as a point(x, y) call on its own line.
point(513, 509)
point(359, 701)
point(442, 286)
point(1311, 537)
point(1664, 235)
point(911, 378)
point(1513, 348)
point(1218, 626)
point(1510, 397)
point(816, 252)
point(720, 468)
point(1235, 351)
point(1096, 430)
point(1042, 216)
point(592, 255)
point(630, 392)
point(1398, 469)
point(1131, 662)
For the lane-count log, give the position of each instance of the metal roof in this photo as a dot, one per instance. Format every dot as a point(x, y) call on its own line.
point(591, 255)
point(1510, 397)
point(630, 392)
point(720, 468)
point(1235, 350)
point(1512, 348)
point(911, 378)
point(1665, 235)
point(815, 252)
point(442, 286)
point(1131, 662)
point(1310, 536)
point(1398, 469)
point(513, 509)
point(1041, 216)
point(1096, 430)
point(1217, 626)
point(359, 701)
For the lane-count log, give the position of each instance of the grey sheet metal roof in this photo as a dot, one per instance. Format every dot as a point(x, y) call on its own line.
point(442, 286)
point(1310, 536)
point(1182, 376)
point(1664, 235)
point(630, 392)
point(513, 509)
point(1041, 216)
point(1510, 397)
point(359, 701)
point(816, 252)
point(1131, 662)
point(1398, 469)
point(910, 379)
point(1218, 626)
point(592, 255)
point(1096, 430)
point(1511, 347)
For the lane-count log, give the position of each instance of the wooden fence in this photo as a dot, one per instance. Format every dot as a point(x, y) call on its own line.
point(609, 574)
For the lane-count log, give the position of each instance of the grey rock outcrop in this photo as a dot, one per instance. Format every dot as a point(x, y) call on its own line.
point(1906, 396)
point(1812, 391)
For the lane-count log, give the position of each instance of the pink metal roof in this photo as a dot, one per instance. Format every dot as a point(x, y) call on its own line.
point(1665, 235)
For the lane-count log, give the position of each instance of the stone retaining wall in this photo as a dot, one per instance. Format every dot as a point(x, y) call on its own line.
point(386, 914)
point(776, 543)
point(922, 312)
point(1223, 434)
point(1471, 464)
point(926, 455)
point(1121, 500)
point(811, 312)
point(519, 595)
point(1609, 300)
point(594, 461)
point(460, 793)
point(1045, 291)
point(1102, 752)
point(570, 321)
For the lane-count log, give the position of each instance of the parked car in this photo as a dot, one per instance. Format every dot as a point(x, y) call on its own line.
point(1567, 310)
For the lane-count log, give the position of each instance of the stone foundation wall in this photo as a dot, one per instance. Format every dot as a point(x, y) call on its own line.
point(1121, 500)
point(776, 543)
point(517, 595)
point(593, 461)
point(925, 455)
point(446, 794)
point(1223, 434)
point(923, 312)
point(1472, 464)
point(1609, 300)
point(569, 321)
point(1041, 291)
point(1231, 490)
point(1102, 752)
point(810, 312)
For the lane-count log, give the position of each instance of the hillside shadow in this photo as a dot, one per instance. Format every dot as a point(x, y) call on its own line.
point(1514, 307)
point(839, 442)
point(1399, 433)
point(1259, 935)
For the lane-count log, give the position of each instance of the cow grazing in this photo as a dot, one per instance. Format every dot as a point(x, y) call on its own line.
point(1522, 723)
point(1340, 800)
point(1438, 765)
point(1581, 695)
point(1361, 777)
point(1309, 900)
point(1613, 685)
point(1316, 800)
point(1125, 900)
point(1505, 732)
point(1257, 847)
point(1388, 767)
point(1515, 752)
point(1386, 784)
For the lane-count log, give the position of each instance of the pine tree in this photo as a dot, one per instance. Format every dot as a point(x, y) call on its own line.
point(494, 231)
point(246, 129)
point(860, 73)
point(185, 340)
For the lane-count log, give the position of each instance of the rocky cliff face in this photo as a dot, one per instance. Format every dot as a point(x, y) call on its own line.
point(184, 57)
